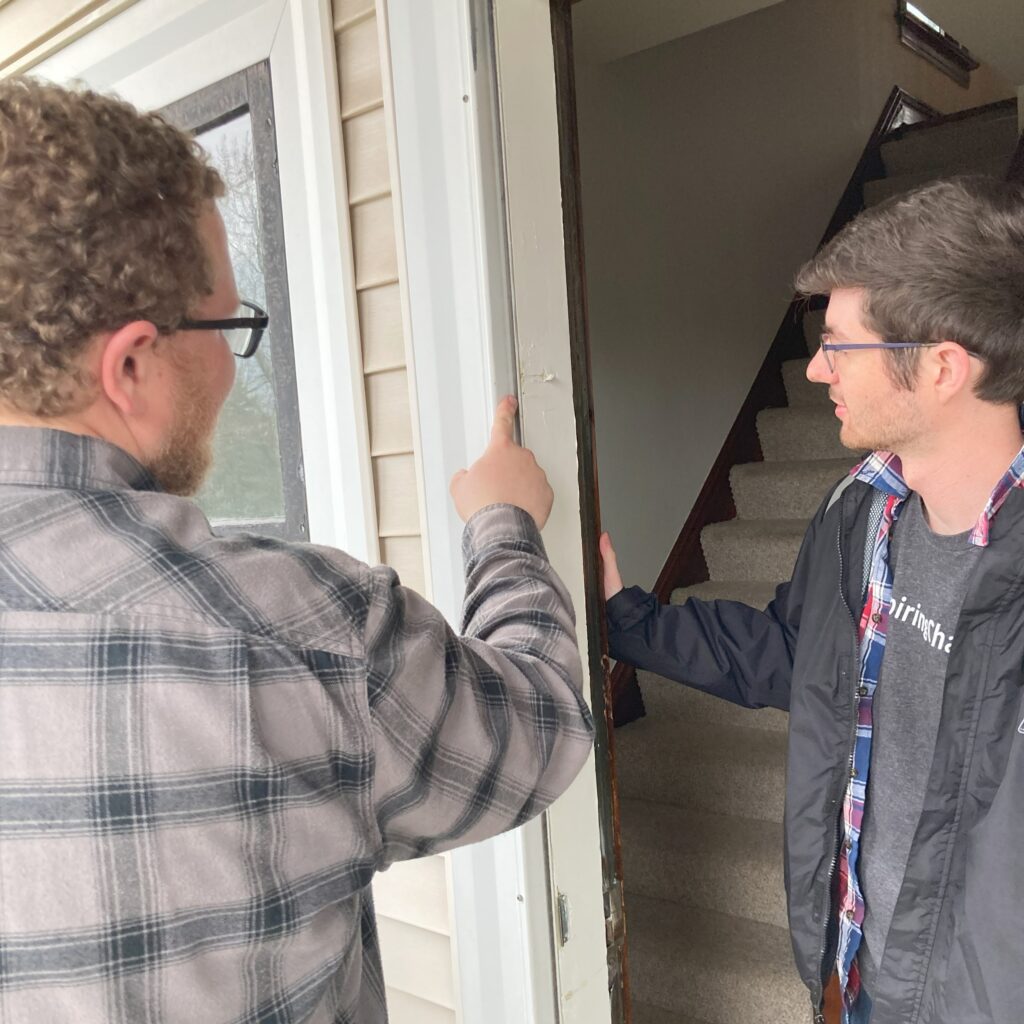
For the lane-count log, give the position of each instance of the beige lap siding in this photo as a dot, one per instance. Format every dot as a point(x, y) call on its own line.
point(413, 898)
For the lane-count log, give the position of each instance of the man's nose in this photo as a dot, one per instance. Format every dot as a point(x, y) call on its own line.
point(818, 371)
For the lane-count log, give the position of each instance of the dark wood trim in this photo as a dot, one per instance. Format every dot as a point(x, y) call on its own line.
point(940, 49)
point(997, 106)
point(590, 513)
point(685, 564)
point(900, 109)
point(1016, 171)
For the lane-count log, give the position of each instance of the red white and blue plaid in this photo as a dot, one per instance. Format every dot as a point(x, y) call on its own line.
point(883, 471)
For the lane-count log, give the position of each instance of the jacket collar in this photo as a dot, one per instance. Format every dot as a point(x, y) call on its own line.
point(884, 472)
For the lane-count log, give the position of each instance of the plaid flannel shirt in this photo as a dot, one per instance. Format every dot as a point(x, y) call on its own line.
point(883, 471)
point(209, 745)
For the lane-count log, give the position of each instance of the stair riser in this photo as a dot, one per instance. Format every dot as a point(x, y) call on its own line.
point(957, 144)
point(800, 392)
point(728, 995)
point(659, 868)
point(749, 558)
point(757, 595)
point(814, 324)
point(732, 789)
point(785, 435)
point(881, 188)
point(644, 1013)
point(794, 495)
point(672, 702)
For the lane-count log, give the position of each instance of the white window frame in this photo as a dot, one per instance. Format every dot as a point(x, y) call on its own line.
point(158, 51)
point(484, 249)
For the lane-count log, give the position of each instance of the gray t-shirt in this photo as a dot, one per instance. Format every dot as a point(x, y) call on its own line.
point(930, 574)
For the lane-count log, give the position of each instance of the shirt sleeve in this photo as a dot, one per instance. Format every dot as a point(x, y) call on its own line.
point(474, 734)
point(725, 648)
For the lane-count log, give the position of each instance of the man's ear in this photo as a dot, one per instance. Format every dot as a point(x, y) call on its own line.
point(954, 369)
point(126, 365)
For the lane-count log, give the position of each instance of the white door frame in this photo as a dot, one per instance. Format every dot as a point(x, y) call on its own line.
point(481, 209)
point(480, 202)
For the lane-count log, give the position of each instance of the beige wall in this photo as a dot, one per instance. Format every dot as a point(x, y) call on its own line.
point(710, 168)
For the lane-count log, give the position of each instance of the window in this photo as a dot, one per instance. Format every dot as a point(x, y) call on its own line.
point(932, 42)
point(257, 479)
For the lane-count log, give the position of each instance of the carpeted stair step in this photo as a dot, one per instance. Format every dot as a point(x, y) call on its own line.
point(729, 865)
point(785, 490)
point(814, 324)
point(985, 136)
point(756, 594)
point(644, 1013)
point(722, 769)
point(881, 188)
point(807, 433)
point(669, 701)
point(717, 968)
point(752, 549)
point(799, 390)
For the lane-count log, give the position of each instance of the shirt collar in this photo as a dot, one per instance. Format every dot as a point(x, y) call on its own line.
point(884, 472)
point(40, 457)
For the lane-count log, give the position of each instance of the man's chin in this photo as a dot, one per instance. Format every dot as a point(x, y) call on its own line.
point(856, 442)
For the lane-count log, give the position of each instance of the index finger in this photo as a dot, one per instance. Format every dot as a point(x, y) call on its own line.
point(505, 419)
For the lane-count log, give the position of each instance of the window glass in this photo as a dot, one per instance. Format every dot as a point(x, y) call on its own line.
point(245, 484)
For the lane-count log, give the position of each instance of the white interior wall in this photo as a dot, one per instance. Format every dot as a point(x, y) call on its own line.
point(710, 168)
point(993, 30)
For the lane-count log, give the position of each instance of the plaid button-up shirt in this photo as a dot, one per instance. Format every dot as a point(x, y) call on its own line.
point(209, 745)
point(882, 470)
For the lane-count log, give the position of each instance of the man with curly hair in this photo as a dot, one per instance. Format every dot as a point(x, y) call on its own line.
point(209, 746)
point(897, 646)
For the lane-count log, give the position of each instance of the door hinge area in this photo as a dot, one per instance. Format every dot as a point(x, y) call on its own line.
point(563, 917)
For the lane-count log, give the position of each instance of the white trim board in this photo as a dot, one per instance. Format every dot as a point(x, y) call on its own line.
point(489, 313)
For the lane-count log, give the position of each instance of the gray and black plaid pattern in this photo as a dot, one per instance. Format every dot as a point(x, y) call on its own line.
point(209, 745)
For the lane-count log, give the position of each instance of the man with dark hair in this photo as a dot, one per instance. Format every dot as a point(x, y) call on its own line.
point(898, 644)
point(209, 745)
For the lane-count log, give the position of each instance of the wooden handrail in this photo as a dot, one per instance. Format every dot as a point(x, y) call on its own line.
point(958, 115)
point(685, 564)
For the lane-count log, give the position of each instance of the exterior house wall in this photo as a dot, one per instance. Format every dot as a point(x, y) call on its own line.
point(710, 168)
point(413, 899)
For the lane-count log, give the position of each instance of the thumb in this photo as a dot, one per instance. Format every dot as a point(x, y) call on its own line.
point(504, 420)
point(612, 578)
point(455, 479)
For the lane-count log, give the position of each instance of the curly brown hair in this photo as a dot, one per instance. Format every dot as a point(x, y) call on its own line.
point(99, 210)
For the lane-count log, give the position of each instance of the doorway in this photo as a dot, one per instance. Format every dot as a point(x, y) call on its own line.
point(700, 168)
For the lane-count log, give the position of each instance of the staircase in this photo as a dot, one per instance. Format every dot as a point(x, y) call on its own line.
point(700, 781)
point(981, 142)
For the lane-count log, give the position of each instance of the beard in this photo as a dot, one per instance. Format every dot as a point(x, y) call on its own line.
point(181, 465)
point(893, 426)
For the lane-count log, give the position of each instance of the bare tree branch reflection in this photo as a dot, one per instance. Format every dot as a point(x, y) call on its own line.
point(245, 483)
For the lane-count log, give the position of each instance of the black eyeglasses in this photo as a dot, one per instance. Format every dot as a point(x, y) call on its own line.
point(243, 331)
point(829, 347)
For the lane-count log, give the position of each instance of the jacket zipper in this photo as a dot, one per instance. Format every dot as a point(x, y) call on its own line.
point(819, 1017)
